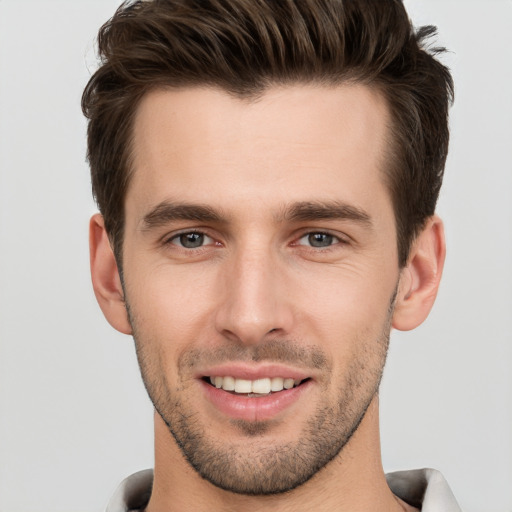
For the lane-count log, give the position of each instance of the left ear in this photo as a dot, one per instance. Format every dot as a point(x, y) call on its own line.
point(420, 278)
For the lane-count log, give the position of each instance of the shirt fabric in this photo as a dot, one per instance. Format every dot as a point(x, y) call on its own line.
point(425, 489)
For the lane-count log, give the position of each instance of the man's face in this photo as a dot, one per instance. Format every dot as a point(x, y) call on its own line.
point(259, 253)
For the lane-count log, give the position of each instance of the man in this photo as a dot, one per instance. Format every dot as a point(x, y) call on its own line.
point(267, 174)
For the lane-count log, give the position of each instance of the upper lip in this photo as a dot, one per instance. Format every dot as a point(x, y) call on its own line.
point(253, 372)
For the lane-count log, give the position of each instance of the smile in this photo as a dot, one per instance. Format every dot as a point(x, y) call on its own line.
point(258, 398)
point(254, 388)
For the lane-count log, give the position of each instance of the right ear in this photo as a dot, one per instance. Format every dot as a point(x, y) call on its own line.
point(105, 277)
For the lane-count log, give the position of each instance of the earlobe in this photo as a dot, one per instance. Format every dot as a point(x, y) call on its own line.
point(105, 277)
point(419, 280)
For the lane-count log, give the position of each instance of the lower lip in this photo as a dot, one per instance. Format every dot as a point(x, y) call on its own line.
point(254, 409)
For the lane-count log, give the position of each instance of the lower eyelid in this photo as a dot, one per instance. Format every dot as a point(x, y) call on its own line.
point(336, 239)
point(208, 240)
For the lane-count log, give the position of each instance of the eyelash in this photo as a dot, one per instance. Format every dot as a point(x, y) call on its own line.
point(169, 241)
point(336, 240)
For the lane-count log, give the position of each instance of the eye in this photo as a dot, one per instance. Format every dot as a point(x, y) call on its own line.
point(319, 240)
point(191, 240)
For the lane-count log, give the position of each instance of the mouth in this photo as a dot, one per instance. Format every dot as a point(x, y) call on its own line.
point(257, 388)
point(256, 397)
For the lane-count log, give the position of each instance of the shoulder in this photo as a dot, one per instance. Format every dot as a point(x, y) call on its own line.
point(133, 493)
point(425, 489)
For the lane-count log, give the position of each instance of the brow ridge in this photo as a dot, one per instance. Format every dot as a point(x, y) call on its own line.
point(167, 211)
point(320, 210)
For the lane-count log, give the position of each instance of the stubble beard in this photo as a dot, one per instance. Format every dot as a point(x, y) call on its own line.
point(254, 466)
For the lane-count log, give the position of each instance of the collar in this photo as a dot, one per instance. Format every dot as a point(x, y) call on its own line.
point(425, 489)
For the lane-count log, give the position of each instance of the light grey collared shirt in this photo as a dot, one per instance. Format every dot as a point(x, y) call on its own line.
point(425, 489)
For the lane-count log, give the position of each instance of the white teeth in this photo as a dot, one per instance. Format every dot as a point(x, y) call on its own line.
point(261, 386)
point(258, 387)
point(288, 383)
point(228, 384)
point(276, 384)
point(243, 386)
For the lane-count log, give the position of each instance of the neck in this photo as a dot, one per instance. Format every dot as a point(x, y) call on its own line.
point(353, 481)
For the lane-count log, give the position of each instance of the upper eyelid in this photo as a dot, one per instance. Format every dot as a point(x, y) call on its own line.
point(338, 239)
point(341, 237)
point(175, 234)
point(179, 246)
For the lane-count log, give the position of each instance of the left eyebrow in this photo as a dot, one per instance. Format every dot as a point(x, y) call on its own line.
point(335, 210)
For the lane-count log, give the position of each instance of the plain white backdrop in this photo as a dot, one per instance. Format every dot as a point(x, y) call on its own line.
point(74, 417)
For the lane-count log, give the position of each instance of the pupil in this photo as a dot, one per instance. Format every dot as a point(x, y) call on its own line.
point(320, 240)
point(192, 240)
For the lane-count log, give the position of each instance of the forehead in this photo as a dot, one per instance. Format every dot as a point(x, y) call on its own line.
point(289, 144)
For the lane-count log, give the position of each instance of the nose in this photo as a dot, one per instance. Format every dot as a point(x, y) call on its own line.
point(254, 299)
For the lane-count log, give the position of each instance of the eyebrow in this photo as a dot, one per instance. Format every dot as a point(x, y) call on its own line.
point(166, 212)
point(335, 210)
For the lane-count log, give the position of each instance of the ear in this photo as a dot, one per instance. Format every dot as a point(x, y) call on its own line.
point(419, 280)
point(105, 277)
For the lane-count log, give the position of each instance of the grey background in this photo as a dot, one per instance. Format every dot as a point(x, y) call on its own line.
point(74, 418)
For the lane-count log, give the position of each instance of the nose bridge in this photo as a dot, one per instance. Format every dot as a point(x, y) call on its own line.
point(254, 303)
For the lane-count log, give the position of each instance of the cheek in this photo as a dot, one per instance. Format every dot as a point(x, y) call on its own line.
point(175, 305)
point(347, 314)
point(171, 304)
point(345, 296)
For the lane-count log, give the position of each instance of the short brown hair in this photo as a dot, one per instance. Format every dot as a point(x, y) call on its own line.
point(245, 46)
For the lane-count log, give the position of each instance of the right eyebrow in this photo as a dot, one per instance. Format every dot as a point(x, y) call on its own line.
point(166, 212)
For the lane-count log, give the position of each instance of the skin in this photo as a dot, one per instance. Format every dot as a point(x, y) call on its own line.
point(256, 291)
